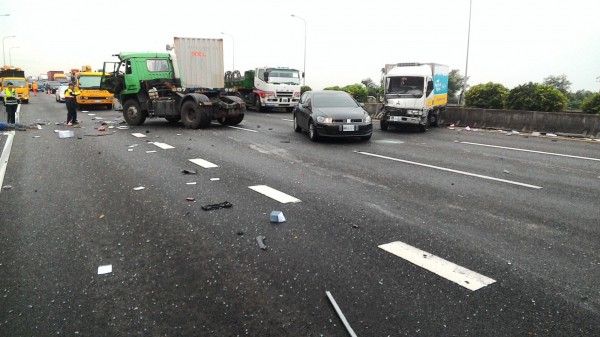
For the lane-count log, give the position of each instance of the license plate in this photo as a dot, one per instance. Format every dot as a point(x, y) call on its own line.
point(347, 127)
point(396, 119)
point(96, 101)
point(284, 100)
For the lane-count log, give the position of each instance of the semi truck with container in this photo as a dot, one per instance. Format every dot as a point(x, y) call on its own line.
point(413, 94)
point(185, 83)
point(87, 82)
point(52, 73)
point(266, 87)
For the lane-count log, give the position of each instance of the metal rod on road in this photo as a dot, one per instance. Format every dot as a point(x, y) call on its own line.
point(341, 314)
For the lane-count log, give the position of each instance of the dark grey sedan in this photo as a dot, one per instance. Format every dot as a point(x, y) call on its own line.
point(330, 113)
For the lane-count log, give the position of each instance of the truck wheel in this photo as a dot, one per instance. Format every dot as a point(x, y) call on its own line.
point(258, 104)
point(232, 121)
point(132, 113)
point(192, 116)
point(383, 124)
point(435, 121)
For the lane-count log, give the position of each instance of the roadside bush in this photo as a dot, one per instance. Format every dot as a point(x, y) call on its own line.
point(358, 91)
point(536, 97)
point(305, 88)
point(591, 105)
point(487, 96)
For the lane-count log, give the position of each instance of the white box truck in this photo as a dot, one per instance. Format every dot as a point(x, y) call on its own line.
point(414, 94)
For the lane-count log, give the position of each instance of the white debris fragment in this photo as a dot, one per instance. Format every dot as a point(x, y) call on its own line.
point(191, 183)
point(105, 269)
point(215, 179)
point(139, 188)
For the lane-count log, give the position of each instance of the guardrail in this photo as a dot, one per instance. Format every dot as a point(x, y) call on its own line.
point(563, 123)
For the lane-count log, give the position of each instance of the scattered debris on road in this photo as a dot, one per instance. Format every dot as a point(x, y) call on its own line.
point(224, 204)
point(260, 239)
point(277, 216)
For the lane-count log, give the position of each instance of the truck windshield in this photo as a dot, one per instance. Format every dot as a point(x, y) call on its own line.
point(284, 76)
point(89, 82)
point(405, 85)
point(17, 83)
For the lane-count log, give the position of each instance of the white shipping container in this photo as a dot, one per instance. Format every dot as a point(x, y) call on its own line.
point(200, 62)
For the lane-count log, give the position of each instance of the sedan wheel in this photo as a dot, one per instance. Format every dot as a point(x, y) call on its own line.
point(312, 132)
point(297, 127)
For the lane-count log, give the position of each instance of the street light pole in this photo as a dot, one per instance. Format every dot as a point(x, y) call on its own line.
point(304, 69)
point(3, 55)
point(10, 54)
point(232, 49)
point(462, 94)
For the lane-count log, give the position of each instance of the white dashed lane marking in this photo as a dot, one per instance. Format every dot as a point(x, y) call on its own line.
point(203, 163)
point(450, 170)
point(274, 194)
point(446, 269)
point(163, 146)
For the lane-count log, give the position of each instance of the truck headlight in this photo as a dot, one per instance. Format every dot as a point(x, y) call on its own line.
point(415, 112)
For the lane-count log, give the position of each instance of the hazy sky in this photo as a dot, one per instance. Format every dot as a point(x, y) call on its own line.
point(512, 41)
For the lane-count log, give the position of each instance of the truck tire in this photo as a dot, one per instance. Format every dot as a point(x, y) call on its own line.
point(435, 121)
point(192, 116)
point(232, 121)
point(132, 113)
point(383, 124)
point(257, 104)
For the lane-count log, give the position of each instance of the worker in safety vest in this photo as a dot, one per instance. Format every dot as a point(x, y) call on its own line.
point(71, 103)
point(34, 87)
point(11, 101)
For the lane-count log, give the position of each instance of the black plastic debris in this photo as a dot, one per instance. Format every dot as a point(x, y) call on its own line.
point(188, 171)
point(260, 239)
point(224, 204)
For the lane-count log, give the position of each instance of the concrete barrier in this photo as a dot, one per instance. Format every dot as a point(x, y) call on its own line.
point(563, 123)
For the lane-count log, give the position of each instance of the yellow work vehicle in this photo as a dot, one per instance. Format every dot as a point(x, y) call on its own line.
point(87, 82)
point(16, 76)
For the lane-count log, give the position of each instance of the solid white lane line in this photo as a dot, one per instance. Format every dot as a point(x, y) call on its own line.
point(531, 151)
point(450, 170)
point(274, 194)
point(5, 155)
point(203, 163)
point(163, 146)
point(446, 269)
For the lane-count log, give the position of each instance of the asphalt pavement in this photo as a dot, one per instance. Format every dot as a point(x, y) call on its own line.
point(451, 232)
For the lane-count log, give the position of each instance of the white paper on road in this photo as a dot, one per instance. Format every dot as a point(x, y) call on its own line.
point(105, 269)
point(274, 194)
point(215, 179)
point(191, 183)
point(446, 269)
point(203, 163)
point(139, 135)
point(163, 146)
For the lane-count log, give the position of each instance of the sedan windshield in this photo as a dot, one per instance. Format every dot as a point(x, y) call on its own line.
point(334, 100)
